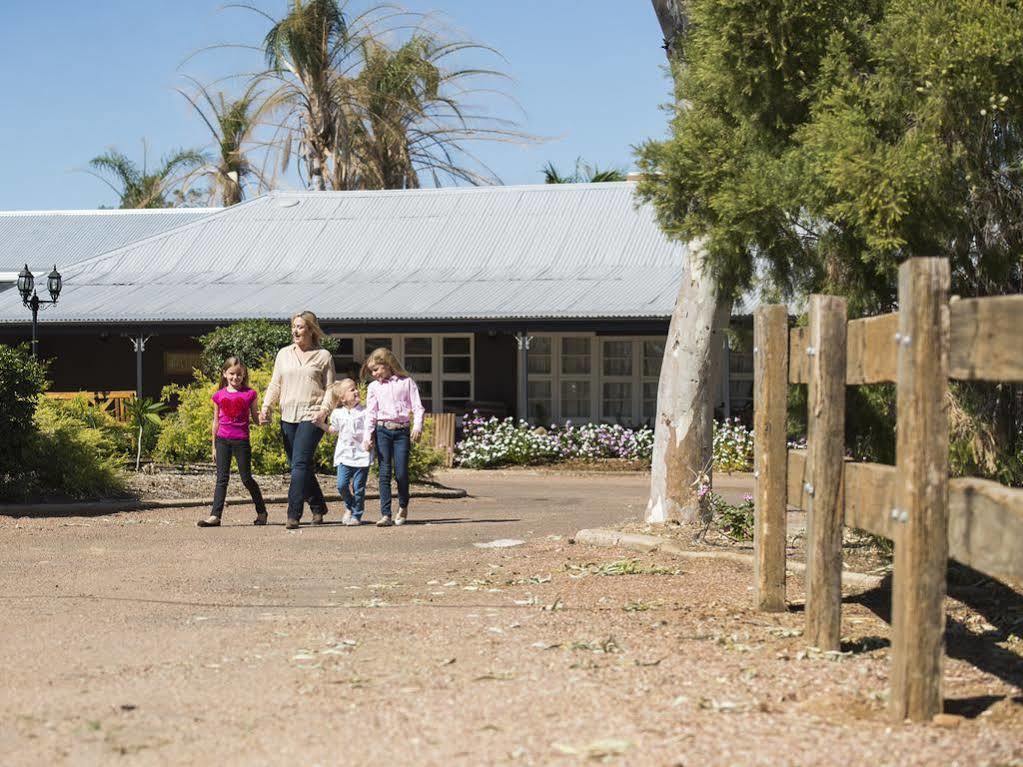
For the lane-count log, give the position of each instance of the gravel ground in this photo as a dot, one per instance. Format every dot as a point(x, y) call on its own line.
point(143, 639)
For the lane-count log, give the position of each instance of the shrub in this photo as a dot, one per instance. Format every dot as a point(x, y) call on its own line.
point(68, 461)
point(734, 521)
point(110, 438)
point(252, 340)
point(733, 446)
point(22, 380)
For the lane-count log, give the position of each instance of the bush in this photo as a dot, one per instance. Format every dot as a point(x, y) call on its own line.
point(68, 461)
point(109, 437)
point(736, 522)
point(254, 341)
point(733, 446)
point(22, 380)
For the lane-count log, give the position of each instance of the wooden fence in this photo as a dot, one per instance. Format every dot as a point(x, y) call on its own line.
point(444, 435)
point(113, 402)
point(914, 503)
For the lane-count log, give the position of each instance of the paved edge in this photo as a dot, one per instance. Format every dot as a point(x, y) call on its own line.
point(30, 510)
point(648, 543)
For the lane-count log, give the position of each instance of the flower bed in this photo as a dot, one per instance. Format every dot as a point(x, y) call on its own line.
point(490, 442)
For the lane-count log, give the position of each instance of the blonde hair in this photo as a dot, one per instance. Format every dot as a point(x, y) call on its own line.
point(338, 387)
point(229, 363)
point(312, 323)
point(383, 356)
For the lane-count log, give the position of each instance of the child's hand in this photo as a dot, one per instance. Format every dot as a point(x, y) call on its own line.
point(416, 433)
point(365, 445)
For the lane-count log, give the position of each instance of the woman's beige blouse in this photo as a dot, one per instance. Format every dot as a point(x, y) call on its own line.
point(300, 386)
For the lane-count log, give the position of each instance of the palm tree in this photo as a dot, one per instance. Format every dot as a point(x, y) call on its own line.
point(584, 174)
point(232, 123)
point(309, 51)
point(366, 115)
point(411, 121)
point(138, 187)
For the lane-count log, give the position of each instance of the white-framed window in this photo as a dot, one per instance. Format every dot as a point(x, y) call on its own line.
point(441, 364)
point(586, 377)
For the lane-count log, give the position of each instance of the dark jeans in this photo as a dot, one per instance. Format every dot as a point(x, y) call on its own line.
point(242, 452)
point(393, 447)
point(354, 497)
point(300, 441)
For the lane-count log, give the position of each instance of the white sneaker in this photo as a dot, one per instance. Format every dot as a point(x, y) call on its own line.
point(402, 517)
point(385, 522)
point(351, 521)
point(347, 518)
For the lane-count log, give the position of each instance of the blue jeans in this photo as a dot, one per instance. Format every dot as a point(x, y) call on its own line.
point(393, 447)
point(300, 441)
point(353, 497)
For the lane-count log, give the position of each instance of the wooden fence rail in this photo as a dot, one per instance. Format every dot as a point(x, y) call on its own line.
point(114, 402)
point(914, 503)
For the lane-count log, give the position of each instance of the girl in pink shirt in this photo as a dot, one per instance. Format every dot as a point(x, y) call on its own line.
point(235, 406)
point(394, 412)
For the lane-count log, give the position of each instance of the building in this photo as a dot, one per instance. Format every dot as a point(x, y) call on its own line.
point(457, 281)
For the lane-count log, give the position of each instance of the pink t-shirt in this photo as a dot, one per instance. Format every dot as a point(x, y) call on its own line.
point(234, 408)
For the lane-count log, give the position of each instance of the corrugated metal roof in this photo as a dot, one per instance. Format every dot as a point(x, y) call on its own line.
point(557, 251)
point(42, 238)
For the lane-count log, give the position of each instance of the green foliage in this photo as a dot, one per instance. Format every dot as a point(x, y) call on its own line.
point(66, 461)
point(255, 342)
point(140, 187)
point(72, 450)
point(735, 521)
point(22, 380)
point(109, 437)
point(144, 417)
point(830, 140)
point(187, 436)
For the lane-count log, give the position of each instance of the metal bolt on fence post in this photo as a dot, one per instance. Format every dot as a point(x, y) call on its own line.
point(895, 513)
point(810, 351)
point(898, 337)
point(906, 340)
point(808, 488)
point(904, 516)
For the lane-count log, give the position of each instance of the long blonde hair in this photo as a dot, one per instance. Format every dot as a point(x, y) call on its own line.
point(383, 356)
point(312, 323)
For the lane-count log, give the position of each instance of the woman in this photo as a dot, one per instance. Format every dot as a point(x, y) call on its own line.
point(303, 373)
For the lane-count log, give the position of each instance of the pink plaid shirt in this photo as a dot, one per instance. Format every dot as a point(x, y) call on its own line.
point(396, 399)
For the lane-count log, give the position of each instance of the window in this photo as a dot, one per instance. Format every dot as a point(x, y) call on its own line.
point(441, 365)
point(578, 377)
point(538, 359)
point(344, 358)
point(539, 402)
point(418, 361)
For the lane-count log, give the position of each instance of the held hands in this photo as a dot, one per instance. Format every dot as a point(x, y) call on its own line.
point(320, 419)
point(264, 417)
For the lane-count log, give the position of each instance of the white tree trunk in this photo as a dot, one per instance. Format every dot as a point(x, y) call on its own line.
point(686, 393)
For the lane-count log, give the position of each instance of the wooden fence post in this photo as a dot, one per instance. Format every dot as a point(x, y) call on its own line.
point(770, 462)
point(921, 495)
point(825, 432)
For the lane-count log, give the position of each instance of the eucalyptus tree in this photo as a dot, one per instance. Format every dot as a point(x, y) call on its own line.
point(818, 143)
point(682, 459)
point(232, 124)
point(139, 187)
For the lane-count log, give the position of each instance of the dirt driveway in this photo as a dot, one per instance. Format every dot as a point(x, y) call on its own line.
point(140, 639)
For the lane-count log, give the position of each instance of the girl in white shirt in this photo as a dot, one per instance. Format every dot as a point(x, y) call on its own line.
point(348, 422)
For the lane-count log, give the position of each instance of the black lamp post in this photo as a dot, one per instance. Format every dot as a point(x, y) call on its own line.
point(26, 286)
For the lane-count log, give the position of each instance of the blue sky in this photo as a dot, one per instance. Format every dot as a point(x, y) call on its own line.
point(81, 77)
